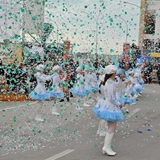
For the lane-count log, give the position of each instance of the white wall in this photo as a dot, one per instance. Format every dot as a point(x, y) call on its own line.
point(10, 20)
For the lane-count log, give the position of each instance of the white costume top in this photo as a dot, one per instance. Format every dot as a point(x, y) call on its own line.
point(41, 78)
point(55, 82)
point(138, 70)
point(136, 81)
point(119, 84)
point(129, 89)
point(132, 79)
point(88, 80)
point(111, 101)
point(80, 82)
point(94, 80)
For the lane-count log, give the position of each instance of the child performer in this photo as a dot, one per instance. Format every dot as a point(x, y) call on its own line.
point(131, 77)
point(40, 93)
point(79, 88)
point(118, 83)
point(139, 71)
point(128, 97)
point(137, 86)
point(55, 91)
point(110, 108)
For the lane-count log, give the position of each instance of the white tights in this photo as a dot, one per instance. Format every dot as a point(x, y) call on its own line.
point(40, 106)
point(102, 124)
point(111, 127)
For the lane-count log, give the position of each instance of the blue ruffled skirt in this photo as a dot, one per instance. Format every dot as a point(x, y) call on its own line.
point(88, 90)
point(35, 95)
point(78, 93)
point(56, 94)
point(107, 115)
point(128, 100)
point(133, 92)
point(91, 89)
point(138, 88)
point(96, 88)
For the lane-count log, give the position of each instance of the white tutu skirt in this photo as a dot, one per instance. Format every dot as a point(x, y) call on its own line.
point(102, 111)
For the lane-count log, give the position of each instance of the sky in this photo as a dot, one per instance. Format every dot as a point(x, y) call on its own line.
point(81, 22)
point(86, 23)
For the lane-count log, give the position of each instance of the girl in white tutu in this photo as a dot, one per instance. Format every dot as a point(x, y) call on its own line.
point(139, 71)
point(40, 93)
point(109, 108)
point(131, 77)
point(79, 88)
point(88, 86)
point(55, 91)
point(129, 99)
point(137, 85)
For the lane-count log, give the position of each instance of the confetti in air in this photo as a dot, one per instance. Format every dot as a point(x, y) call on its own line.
point(53, 76)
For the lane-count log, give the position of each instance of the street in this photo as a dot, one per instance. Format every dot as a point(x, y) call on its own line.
point(72, 135)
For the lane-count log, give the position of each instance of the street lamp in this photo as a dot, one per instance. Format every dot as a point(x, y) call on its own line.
point(126, 26)
point(57, 33)
point(131, 4)
point(96, 20)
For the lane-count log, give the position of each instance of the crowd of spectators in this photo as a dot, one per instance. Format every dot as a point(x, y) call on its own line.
point(19, 78)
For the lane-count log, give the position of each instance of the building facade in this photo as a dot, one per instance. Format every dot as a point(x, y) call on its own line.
point(149, 32)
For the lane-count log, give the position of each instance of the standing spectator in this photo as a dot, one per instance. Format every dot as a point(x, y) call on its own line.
point(158, 73)
point(147, 72)
point(72, 70)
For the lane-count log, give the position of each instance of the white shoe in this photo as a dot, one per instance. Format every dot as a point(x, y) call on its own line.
point(135, 96)
point(98, 131)
point(107, 145)
point(102, 133)
point(39, 119)
point(55, 113)
point(139, 94)
point(79, 108)
point(133, 103)
point(86, 105)
point(89, 102)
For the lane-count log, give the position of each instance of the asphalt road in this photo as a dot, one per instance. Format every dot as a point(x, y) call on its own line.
point(72, 136)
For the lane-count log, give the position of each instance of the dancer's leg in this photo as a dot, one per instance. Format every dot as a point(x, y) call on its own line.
point(39, 111)
point(108, 139)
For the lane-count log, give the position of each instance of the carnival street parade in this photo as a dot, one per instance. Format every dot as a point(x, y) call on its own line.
point(54, 97)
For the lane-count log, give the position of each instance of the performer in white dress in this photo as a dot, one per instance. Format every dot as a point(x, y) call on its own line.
point(137, 86)
point(118, 82)
point(131, 77)
point(110, 108)
point(40, 93)
point(55, 91)
point(129, 99)
point(79, 88)
point(139, 70)
point(88, 87)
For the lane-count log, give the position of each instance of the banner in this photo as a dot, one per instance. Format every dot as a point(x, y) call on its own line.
point(9, 52)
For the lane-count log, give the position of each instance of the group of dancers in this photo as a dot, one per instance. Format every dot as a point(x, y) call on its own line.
point(107, 86)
